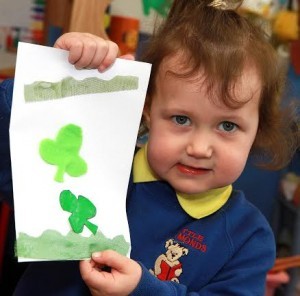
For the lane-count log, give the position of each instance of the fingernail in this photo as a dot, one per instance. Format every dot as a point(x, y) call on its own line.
point(101, 69)
point(96, 254)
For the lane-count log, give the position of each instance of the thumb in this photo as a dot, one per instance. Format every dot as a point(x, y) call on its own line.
point(112, 259)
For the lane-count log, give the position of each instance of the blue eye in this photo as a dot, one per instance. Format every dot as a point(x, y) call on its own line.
point(181, 120)
point(228, 126)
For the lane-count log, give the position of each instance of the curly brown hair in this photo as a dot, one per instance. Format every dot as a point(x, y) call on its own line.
point(222, 42)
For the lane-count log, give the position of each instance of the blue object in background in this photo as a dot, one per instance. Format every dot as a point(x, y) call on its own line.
point(293, 85)
point(54, 32)
point(261, 187)
point(6, 89)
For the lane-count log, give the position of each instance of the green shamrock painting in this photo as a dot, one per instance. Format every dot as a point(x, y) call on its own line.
point(81, 209)
point(63, 152)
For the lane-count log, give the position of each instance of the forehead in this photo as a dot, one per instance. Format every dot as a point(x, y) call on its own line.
point(238, 91)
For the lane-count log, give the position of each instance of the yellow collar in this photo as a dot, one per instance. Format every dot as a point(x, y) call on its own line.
point(196, 205)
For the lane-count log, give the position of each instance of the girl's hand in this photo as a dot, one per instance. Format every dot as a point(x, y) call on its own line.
point(121, 280)
point(88, 51)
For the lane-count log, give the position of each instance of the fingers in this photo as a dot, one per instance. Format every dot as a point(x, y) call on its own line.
point(128, 57)
point(121, 279)
point(87, 266)
point(117, 264)
point(95, 275)
point(112, 259)
point(121, 266)
point(108, 58)
point(88, 51)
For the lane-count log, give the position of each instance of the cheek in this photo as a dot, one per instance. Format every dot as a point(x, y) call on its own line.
point(157, 147)
point(235, 155)
point(161, 150)
point(233, 163)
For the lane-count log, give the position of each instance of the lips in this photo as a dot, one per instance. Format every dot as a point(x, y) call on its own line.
point(191, 170)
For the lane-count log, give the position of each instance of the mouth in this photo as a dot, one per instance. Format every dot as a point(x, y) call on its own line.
point(192, 171)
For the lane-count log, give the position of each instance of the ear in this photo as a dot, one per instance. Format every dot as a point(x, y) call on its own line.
point(146, 115)
point(169, 243)
point(185, 251)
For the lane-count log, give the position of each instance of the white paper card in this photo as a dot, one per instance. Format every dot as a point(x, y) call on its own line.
point(72, 137)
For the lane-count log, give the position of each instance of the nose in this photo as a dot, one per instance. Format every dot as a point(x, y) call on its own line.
point(200, 145)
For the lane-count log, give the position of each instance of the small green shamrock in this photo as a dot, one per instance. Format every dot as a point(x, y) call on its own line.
point(64, 152)
point(81, 209)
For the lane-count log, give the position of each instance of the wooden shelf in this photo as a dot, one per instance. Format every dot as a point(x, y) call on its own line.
point(63, 16)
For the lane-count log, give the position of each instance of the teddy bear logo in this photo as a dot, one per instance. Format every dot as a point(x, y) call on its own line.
point(167, 266)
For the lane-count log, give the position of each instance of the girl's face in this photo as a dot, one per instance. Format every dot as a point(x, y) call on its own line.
point(196, 143)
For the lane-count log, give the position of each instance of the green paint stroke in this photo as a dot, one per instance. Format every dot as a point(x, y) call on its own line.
point(81, 209)
point(64, 152)
point(51, 245)
point(162, 7)
point(43, 90)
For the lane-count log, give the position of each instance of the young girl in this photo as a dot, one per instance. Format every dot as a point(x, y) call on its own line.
point(213, 98)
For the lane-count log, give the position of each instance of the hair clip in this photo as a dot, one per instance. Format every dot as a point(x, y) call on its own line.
point(219, 4)
point(225, 5)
